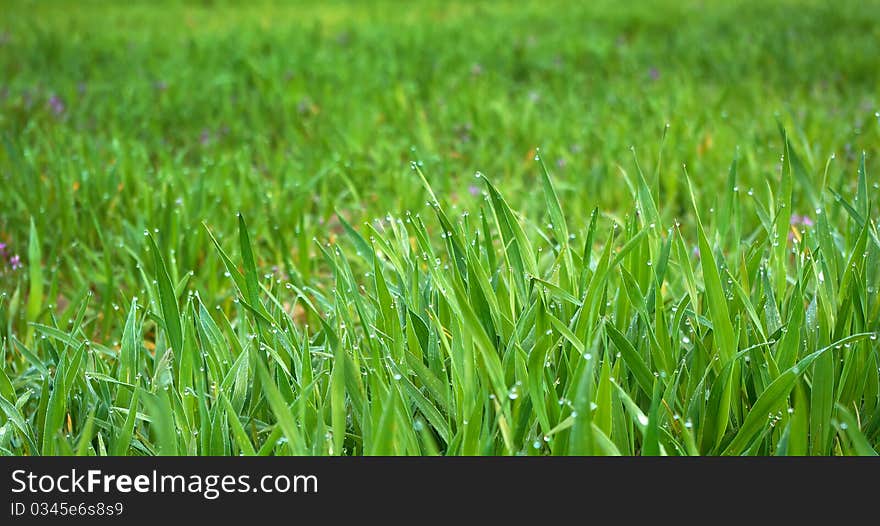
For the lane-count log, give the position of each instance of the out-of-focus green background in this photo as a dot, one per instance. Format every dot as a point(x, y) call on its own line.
point(323, 104)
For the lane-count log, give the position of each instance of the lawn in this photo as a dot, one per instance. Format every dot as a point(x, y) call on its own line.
point(439, 228)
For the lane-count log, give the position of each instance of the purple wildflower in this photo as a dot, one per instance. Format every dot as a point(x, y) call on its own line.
point(799, 221)
point(463, 131)
point(476, 70)
point(474, 190)
point(803, 220)
point(654, 73)
point(2, 249)
point(160, 85)
point(696, 252)
point(561, 163)
point(15, 262)
point(56, 104)
point(205, 137)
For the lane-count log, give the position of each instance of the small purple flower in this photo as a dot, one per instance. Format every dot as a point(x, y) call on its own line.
point(205, 137)
point(2, 249)
point(696, 252)
point(160, 85)
point(476, 70)
point(654, 73)
point(56, 104)
point(796, 220)
point(803, 220)
point(561, 163)
point(474, 190)
point(463, 131)
point(15, 262)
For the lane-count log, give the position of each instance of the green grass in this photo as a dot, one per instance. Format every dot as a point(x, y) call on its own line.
point(257, 230)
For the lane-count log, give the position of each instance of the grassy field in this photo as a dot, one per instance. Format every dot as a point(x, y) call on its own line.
point(467, 228)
